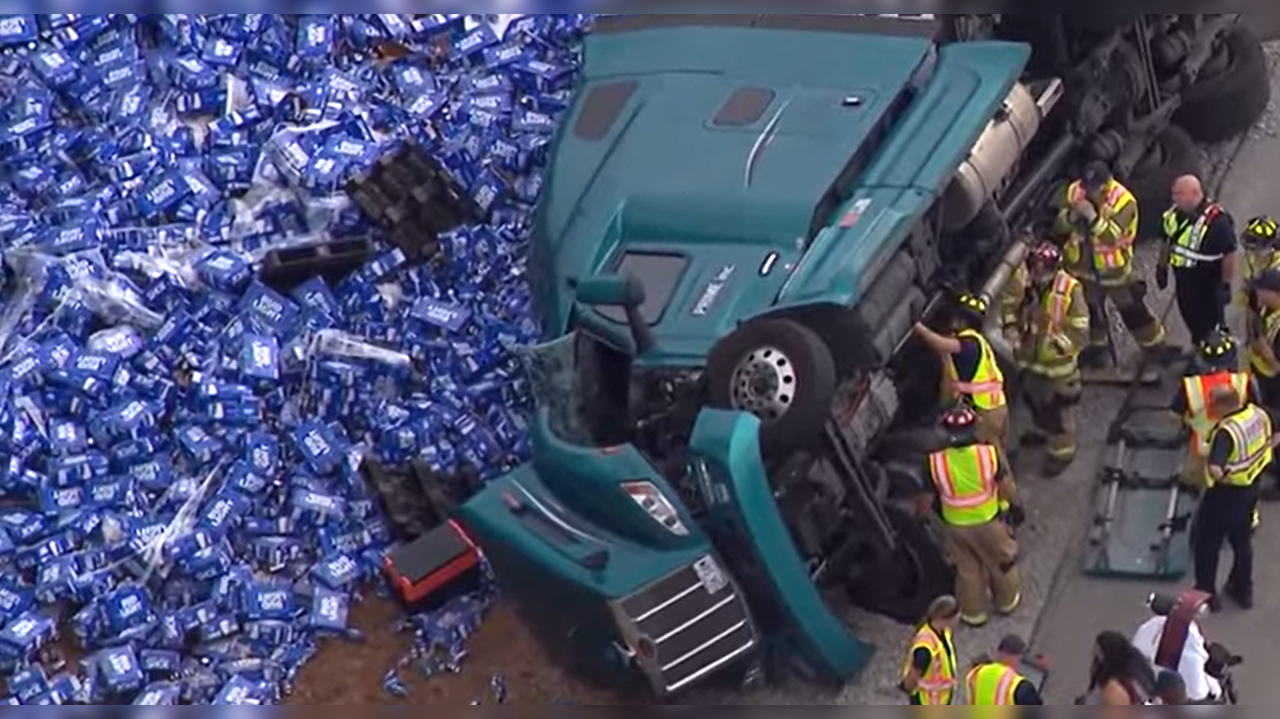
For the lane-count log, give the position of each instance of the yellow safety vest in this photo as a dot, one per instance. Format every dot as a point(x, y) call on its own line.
point(1187, 238)
point(1200, 417)
point(937, 686)
point(1261, 350)
point(1050, 361)
point(1109, 258)
point(966, 482)
point(992, 684)
point(1250, 430)
point(986, 390)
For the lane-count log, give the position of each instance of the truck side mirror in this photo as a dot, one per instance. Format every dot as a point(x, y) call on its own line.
point(618, 291)
point(609, 291)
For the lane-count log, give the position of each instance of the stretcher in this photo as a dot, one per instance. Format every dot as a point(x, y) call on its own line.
point(1143, 509)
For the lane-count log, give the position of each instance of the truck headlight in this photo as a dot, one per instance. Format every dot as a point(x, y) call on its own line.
point(651, 500)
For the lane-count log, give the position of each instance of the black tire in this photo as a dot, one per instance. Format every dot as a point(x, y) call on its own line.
point(1227, 100)
point(812, 374)
point(1172, 155)
point(904, 585)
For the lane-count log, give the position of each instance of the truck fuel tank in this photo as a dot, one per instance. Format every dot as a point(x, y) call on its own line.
point(997, 152)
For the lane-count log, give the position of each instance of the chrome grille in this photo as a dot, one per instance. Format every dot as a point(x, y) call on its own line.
point(695, 626)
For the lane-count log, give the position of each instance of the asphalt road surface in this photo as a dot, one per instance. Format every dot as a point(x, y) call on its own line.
point(1081, 607)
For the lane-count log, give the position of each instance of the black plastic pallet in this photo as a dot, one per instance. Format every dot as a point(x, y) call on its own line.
point(414, 199)
point(287, 268)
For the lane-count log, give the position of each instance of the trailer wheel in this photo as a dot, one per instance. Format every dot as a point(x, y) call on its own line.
point(902, 586)
point(779, 371)
point(1172, 155)
point(1231, 92)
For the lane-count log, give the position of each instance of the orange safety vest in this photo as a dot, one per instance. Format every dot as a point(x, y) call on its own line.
point(1200, 416)
point(992, 685)
point(1109, 257)
point(986, 390)
point(966, 482)
point(937, 686)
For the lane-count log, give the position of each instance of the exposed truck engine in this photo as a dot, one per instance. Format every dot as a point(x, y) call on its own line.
point(744, 217)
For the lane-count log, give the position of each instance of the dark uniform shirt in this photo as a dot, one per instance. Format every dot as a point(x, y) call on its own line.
point(967, 360)
point(1219, 239)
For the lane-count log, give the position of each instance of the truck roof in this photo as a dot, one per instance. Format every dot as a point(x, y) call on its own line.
point(696, 152)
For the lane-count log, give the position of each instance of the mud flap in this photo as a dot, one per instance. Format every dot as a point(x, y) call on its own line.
point(1143, 510)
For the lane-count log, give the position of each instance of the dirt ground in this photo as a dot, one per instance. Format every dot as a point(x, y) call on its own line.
point(351, 672)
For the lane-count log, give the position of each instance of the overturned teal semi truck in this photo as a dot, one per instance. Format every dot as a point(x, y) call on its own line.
point(743, 217)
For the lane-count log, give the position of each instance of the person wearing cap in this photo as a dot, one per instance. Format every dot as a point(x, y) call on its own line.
point(929, 677)
point(1044, 316)
point(1099, 219)
point(1240, 450)
point(998, 682)
point(1200, 250)
point(971, 372)
point(977, 501)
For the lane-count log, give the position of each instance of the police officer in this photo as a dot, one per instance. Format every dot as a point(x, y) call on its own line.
point(1201, 250)
point(1218, 366)
point(970, 369)
point(929, 676)
point(1046, 318)
point(1240, 451)
point(998, 682)
point(1099, 218)
point(977, 502)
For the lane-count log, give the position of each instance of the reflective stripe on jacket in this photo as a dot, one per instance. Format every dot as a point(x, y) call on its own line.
point(1066, 324)
point(937, 686)
point(1250, 430)
point(986, 390)
point(1186, 238)
point(1262, 356)
point(1112, 235)
point(992, 685)
point(1200, 417)
point(966, 481)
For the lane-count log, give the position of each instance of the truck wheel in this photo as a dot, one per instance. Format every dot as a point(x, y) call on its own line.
point(1231, 92)
point(1172, 155)
point(781, 372)
point(903, 585)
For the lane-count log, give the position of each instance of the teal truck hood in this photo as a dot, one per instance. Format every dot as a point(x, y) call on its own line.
point(717, 165)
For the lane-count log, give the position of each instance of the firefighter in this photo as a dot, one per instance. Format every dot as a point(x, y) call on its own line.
point(1201, 250)
point(1240, 451)
point(1258, 241)
point(998, 682)
point(1046, 318)
point(929, 676)
point(1099, 218)
point(970, 369)
point(1264, 341)
point(977, 502)
point(1218, 365)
